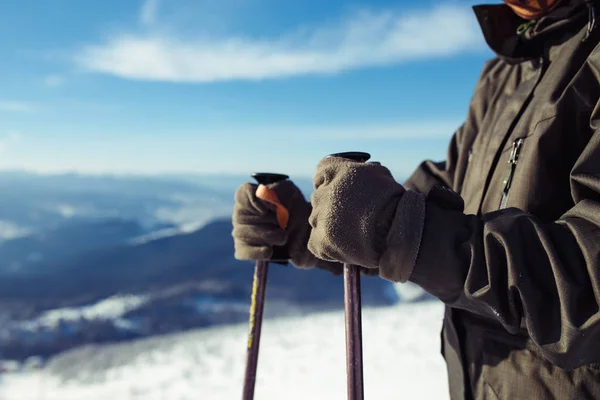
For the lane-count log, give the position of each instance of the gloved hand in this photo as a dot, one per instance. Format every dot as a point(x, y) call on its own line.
point(361, 215)
point(256, 230)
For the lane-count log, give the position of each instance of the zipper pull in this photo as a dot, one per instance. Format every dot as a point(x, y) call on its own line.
point(513, 159)
point(516, 150)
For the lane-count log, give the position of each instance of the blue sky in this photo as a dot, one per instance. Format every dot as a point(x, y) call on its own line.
point(232, 86)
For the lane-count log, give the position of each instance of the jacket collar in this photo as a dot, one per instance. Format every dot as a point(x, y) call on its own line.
point(500, 26)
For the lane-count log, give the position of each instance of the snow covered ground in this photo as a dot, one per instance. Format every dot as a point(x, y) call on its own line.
point(109, 308)
point(300, 358)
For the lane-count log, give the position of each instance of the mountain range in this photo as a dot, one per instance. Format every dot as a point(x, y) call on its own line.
point(86, 242)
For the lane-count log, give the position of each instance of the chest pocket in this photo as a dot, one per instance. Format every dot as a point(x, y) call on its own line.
point(510, 113)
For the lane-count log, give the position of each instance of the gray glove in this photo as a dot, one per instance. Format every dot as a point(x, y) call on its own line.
point(256, 229)
point(359, 216)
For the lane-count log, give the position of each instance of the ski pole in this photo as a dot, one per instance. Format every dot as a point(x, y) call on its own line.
point(352, 308)
point(259, 285)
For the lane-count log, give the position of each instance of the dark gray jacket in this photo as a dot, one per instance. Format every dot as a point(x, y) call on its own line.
point(515, 255)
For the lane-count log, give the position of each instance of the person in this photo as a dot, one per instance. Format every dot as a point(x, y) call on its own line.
point(505, 231)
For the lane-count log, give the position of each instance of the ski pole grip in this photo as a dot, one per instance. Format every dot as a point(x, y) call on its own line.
point(280, 255)
point(358, 156)
point(266, 178)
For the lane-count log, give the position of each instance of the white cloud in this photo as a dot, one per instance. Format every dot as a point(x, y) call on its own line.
point(10, 138)
point(367, 39)
point(402, 130)
point(10, 230)
point(54, 80)
point(148, 12)
point(15, 106)
point(14, 136)
point(400, 145)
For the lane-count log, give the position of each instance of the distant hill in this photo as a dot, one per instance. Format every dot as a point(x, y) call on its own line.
point(182, 282)
point(206, 254)
point(30, 254)
point(102, 259)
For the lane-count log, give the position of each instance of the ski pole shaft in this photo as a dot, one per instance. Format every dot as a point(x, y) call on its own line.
point(257, 305)
point(352, 307)
point(259, 285)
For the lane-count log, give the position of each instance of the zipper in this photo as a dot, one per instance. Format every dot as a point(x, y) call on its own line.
point(513, 160)
point(524, 28)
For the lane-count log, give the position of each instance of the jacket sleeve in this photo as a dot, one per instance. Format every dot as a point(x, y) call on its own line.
point(525, 273)
point(451, 171)
point(432, 173)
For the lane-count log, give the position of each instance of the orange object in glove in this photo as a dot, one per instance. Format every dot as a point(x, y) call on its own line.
point(266, 194)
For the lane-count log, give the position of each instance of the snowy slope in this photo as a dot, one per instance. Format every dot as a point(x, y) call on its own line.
point(110, 308)
point(300, 359)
